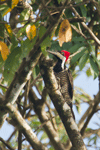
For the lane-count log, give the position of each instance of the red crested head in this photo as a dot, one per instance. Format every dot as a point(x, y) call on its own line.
point(66, 54)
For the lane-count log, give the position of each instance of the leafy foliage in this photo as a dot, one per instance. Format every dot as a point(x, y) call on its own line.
point(31, 22)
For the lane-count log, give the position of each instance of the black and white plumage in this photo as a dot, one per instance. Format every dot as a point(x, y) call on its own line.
point(64, 76)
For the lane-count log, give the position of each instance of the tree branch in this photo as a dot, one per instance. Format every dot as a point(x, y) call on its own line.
point(24, 72)
point(24, 128)
point(6, 144)
point(60, 105)
point(85, 26)
point(39, 108)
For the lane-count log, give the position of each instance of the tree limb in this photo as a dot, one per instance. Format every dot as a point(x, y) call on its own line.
point(24, 72)
point(25, 128)
point(60, 105)
point(39, 108)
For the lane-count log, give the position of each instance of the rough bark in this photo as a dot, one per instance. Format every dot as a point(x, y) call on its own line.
point(60, 105)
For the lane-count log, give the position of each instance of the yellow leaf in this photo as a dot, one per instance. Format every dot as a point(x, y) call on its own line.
point(65, 32)
point(14, 3)
point(4, 50)
point(31, 31)
point(8, 29)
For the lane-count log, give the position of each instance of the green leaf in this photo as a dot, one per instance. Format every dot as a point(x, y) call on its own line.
point(78, 39)
point(14, 42)
point(67, 46)
point(11, 64)
point(43, 49)
point(77, 101)
point(1, 63)
point(46, 41)
point(88, 72)
point(96, 60)
point(75, 47)
point(94, 68)
point(26, 46)
point(77, 56)
point(55, 46)
point(24, 15)
point(9, 3)
point(4, 9)
point(83, 60)
point(1, 32)
point(21, 32)
point(59, 1)
point(83, 10)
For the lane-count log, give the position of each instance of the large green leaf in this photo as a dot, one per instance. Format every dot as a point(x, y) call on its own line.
point(75, 48)
point(78, 39)
point(55, 46)
point(3, 9)
point(88, 72)
point(83, 61)
point(96, 60)
point(83, 10)
point(11, 64)
point(94, 68)
point(77, 56)
point(46, 41)
point(21, 32)
point(26, 46)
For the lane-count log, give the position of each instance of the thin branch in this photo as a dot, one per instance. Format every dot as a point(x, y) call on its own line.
point(6, 144)
point(51, 116)
point(3, 86)
point(81, 122)
point(42, 125)
point(44, 6)
point(13, 133)
point(91, 132)
point(78, 31)
point(85, 26)
point(19, 140)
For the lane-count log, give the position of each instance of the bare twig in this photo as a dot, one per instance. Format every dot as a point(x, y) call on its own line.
point(78, 31)
point(3, 86)
point(6, 144)
point(96, 100)
point(85, 26)
point(44, 6)
point(51, 116)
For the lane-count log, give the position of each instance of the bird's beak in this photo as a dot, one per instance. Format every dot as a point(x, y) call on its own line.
point(56, 54)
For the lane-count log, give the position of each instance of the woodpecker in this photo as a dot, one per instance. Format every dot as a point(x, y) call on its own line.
point(64, 76)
